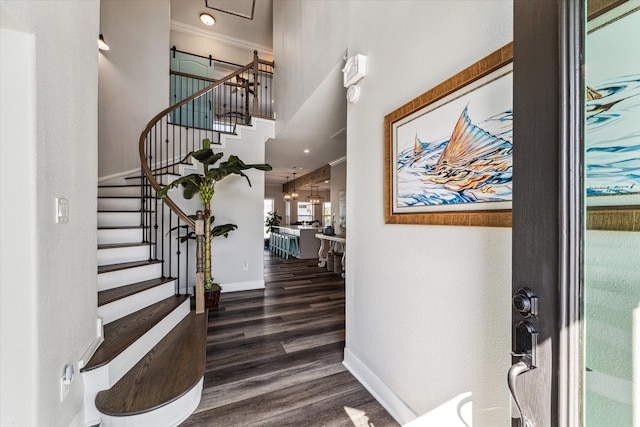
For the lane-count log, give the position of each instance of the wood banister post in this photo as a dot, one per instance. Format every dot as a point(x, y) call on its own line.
point(256, 64)
point(199, 262)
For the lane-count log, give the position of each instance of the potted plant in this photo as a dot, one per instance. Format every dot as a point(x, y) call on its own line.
point(273, 220)
point(203, 184)
point(212, 291)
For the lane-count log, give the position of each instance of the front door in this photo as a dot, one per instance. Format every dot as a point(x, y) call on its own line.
point(576, 215)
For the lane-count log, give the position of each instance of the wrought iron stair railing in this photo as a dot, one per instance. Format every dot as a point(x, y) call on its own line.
point(168, 139)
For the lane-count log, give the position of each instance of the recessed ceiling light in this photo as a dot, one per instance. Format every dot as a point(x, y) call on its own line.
point(306, 150)
point(207, 19)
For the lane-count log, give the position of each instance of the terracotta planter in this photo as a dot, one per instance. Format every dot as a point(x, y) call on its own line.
point(211, 299)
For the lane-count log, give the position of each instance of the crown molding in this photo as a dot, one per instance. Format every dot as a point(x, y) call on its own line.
point(338, 161)
point(242, 44)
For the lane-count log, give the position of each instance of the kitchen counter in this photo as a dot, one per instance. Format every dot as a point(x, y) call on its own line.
point(307, 243)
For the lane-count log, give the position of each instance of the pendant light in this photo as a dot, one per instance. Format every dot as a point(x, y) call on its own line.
point(315, 199)
point(287, 196)
point(294, 194)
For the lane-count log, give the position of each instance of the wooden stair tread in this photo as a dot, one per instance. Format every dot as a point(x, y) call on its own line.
point(122, 211)
point(120, 227)
point(124, 265)
point(121, 333)
point(122, 245)
point(125, 197)
point(115, 294)
point(172, 368)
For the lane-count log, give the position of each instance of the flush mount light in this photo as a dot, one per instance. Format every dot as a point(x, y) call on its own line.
point(102, 45)
point(207, 19)
point(306, 150)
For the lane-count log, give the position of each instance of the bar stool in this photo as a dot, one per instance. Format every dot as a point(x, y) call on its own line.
point(280, 244)
point(272, 240)
point(293, 248)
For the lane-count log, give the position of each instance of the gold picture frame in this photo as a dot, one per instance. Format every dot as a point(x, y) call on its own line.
point(460, 214)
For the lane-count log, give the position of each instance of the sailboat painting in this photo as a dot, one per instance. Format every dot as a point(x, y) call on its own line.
point(612, 123)
point(456, 154)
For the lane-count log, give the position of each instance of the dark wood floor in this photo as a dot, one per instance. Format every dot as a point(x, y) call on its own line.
point(274, 356)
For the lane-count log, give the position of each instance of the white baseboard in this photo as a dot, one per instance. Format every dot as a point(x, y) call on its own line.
point(383, 394)
point(78, 421)
point(99, 338)
point(242, 286)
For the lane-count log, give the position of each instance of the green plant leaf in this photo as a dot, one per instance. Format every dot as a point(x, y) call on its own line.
point(190, 189)
point(207, 156)
point(222, 230)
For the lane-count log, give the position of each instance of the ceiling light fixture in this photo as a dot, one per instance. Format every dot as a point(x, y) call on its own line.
point(306, 150)
point(207, 19)
point(102, 45)
point(294, 194)
point(287, 196)
point(315, 199)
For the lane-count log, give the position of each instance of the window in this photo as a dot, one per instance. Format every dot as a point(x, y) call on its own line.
point(305, 212)
point(268, 207)
point(326, 213)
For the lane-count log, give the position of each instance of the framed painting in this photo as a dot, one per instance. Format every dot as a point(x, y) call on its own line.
point(612, 121)
point(448, 152)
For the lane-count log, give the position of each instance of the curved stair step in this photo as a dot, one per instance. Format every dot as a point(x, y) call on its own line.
point(118, 302)
point(121, 333)
point(115, 275)
point(115, 294)
point(172, 371)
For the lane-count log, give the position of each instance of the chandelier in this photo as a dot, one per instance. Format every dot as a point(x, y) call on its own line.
point(294, 195)
point(315, 199)
point(287, 196)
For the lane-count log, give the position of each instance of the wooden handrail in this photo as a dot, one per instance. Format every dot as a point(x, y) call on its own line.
point(143, 136)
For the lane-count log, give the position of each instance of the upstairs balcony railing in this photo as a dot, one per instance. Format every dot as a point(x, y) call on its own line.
point(216, 106)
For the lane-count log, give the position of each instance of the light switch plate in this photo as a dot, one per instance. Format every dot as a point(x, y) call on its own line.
point(62, 210)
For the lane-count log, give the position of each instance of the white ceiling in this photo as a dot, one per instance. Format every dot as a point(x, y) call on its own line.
point(257, 31)
point(318, 126)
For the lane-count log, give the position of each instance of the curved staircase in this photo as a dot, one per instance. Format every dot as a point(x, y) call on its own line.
point(149, 369)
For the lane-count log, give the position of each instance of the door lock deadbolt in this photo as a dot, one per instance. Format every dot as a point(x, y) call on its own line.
point(525, 302)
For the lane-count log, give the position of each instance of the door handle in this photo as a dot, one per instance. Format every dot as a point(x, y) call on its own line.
point(514, 371)
point(525, 345)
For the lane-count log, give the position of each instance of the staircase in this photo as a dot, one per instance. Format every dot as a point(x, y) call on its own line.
point(149, 369)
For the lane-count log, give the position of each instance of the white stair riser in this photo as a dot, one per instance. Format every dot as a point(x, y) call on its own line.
point(113, 219)
point(127, 276)
point(119, 204)
point(124, 254)
point(122, 307)
point(116, 235)
point(162, 179)
point(119, 191)
point(105, 377)
point(169, 415)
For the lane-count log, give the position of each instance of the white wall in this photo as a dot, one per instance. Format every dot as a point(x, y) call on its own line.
point(49, 137)
point(428, 307)
point(188, 40)
point(275, 192)
point(134, 78)
point(308, 57)
point(236, 202)
point(447, 289)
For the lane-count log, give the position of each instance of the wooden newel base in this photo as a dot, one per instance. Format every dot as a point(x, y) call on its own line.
point(199, 262)
point(199, 292)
